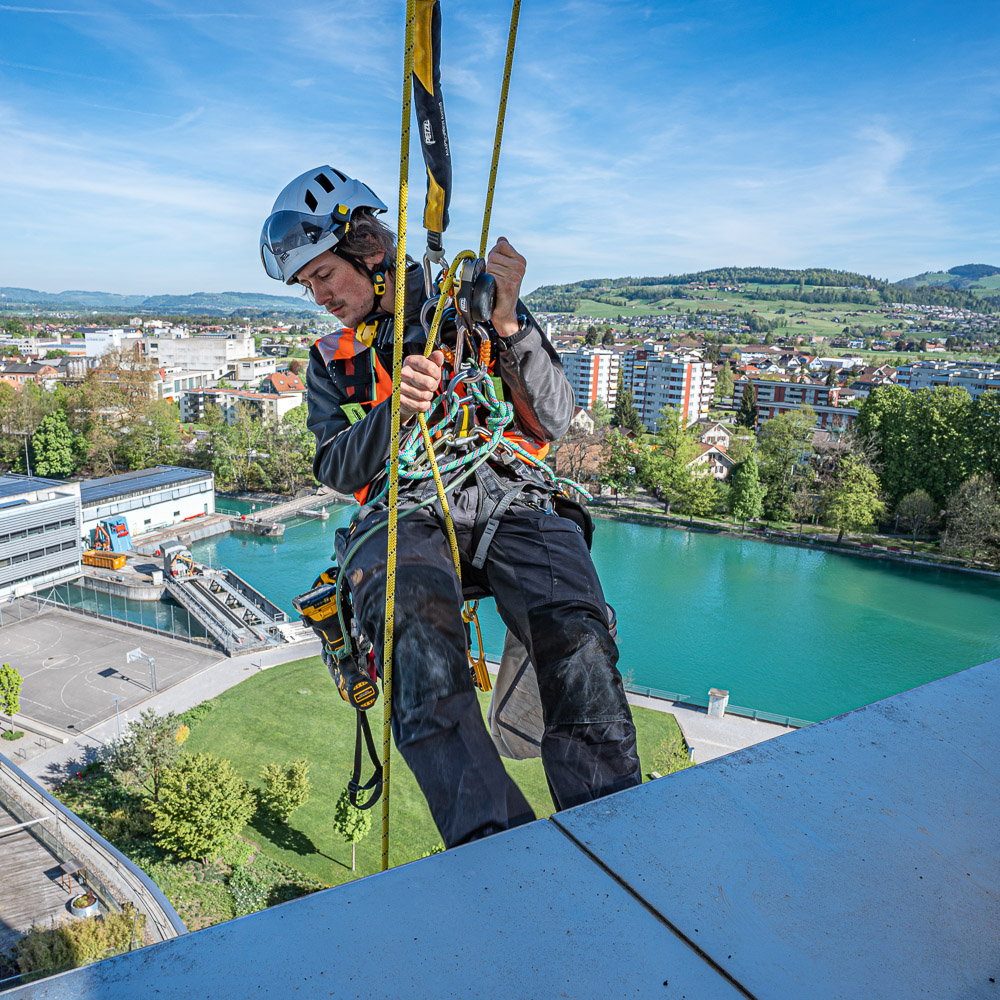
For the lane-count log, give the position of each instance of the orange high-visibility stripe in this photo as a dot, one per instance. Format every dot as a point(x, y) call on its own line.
point(343, 346)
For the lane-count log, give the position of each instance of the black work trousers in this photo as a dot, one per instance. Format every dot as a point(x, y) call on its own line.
point(547, 592)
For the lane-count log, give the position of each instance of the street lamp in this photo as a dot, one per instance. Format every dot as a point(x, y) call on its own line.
point(138, 654)
point(118, 718)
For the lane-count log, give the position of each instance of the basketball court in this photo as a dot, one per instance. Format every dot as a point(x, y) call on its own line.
point(74, 667)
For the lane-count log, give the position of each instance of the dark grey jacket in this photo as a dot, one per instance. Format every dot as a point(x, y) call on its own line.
point(350, 456)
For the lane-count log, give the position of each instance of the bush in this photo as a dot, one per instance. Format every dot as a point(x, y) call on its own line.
point(249, 890)
point(12, 734)
point(285, 788)
point(44, 951)
point(239, 853)
point(194, 715)
point(203, 806)
point(670, 756)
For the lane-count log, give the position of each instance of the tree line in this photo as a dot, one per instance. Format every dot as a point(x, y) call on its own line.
point(921, 463)
point(113, 422)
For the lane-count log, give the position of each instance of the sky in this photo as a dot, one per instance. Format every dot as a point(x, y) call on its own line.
point(142, 144)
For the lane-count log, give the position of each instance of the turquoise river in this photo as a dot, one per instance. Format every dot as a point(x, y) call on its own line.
point(787, 630)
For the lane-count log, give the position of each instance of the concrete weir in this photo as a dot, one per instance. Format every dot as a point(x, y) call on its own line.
point(853, 858)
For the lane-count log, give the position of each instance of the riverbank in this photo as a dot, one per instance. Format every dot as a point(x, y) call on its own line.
point(881, 547)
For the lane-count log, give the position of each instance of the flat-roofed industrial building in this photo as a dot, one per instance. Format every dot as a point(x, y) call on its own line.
point(148, 499)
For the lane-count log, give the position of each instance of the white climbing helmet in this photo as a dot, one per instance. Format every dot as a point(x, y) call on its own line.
point(309, 217)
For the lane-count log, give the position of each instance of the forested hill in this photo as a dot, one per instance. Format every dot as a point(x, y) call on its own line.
point(984, 278)
point(817, 284)
point(214, 303)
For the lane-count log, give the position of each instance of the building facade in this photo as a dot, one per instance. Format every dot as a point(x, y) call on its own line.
point(775, 398)
point(39, 533)
point(593, 374)
point(265, 405)
point(975, 379)
point(148, 499)
point(672, 378)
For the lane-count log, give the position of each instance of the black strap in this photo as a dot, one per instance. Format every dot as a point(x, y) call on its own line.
point(495, 497)
point(374, 783)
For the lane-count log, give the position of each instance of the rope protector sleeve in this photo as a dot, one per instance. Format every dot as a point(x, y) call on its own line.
point(432, 125)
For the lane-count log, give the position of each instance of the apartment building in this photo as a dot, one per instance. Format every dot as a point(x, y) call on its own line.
point(774, 398)
point(265, 405)
point(671, 378)
point(202, 353)
point(974, 378)
point(593, 374)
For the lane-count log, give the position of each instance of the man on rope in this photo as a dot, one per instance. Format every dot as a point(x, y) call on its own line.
point(520, 538)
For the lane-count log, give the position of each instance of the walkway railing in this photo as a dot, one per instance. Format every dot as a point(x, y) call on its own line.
point(113, 877)
point(750, 713)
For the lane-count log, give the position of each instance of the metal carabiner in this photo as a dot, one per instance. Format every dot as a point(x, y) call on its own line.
point(477, 663)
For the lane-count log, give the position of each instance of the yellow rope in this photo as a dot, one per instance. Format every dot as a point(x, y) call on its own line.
point(501, 114)
point(446, 286)
point(397, 369)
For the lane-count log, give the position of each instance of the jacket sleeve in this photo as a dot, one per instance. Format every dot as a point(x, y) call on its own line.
point(348, 456)
point(541, 394)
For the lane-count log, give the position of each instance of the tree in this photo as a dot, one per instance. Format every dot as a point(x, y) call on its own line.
point(618, 464)
point(590, 339)
point(608, 339)
point(626, 416)
point(831, 376)
point(601, 414)
point(741, 446)
point(802, 505)
point(699, 498)
point(147, 750)
point(916, 510)
point(852, 501)
point(746, 495)
point(351, 823)
point(286, 787)
point(290, 451)
point(203, 806)
point(667, 470)
point(984, 433)
point(10, 691)
point(747, 414)
point(724, 383)
point(13, 327)
point(52, 446)
point(784, 447)
point(973, 520)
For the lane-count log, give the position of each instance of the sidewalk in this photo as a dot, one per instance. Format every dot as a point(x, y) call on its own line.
point(712, 738)
point(53, 765)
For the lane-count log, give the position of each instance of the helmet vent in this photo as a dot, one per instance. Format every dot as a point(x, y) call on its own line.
point(310, 199)
point(324, 182)
point(344, 178)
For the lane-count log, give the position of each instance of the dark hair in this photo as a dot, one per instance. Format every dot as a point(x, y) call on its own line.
point(366, 236)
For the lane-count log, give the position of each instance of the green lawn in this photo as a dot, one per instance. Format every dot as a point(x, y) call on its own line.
point(293, 711)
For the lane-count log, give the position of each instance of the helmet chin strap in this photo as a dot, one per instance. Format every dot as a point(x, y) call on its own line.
point(376, 275)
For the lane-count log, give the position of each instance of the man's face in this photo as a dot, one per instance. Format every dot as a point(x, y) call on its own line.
point(339, 287)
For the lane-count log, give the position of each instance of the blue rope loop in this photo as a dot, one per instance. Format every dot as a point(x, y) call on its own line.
point(414, 464)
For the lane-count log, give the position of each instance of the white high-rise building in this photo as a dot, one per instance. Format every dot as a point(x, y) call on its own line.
point(675, 378)
point(593, 374)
